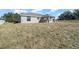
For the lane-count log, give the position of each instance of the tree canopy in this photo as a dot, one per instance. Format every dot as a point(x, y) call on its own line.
point(67, 15)
point(12, 17)
point(76, 14)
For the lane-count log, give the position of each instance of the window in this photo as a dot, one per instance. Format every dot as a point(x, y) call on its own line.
point(38, 18)
point(28, 18)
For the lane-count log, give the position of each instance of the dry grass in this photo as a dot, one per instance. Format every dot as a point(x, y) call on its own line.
point(64, 34)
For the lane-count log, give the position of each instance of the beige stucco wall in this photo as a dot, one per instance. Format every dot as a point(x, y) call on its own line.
point(2, 22)
point(33, 20)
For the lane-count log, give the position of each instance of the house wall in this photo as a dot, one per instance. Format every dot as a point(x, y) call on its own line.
point(2, 22)
point(33, 20)
point(51, 20)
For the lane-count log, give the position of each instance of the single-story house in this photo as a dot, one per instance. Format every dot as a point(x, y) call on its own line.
point(36, 18)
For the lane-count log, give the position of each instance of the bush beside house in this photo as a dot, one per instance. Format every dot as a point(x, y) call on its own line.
point(12, 18)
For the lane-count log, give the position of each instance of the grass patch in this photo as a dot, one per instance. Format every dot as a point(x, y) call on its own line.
point(64, 34)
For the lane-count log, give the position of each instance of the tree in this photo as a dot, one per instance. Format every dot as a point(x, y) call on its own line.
point(76, 14)
point(61, 17)
point(17, 18)
point(67, 15)
point(8, 17)
point(11, 17)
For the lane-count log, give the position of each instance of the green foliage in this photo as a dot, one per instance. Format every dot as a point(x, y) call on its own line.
point(76, 13)
point(8, 17)
point(17, 18)
point(11, 17)
point(67, 15)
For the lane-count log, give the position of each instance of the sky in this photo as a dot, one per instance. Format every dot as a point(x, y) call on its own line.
point(54, 12)
point(55, 7)
point(50, 4)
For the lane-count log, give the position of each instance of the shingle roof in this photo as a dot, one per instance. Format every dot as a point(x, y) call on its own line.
point(48, 15)
point(31, 14)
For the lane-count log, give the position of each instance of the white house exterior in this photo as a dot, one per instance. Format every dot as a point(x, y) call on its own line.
point(32, 18)
point(2, 21)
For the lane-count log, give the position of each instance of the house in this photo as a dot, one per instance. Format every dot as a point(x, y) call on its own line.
point(2, 21)
point(36, 18)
